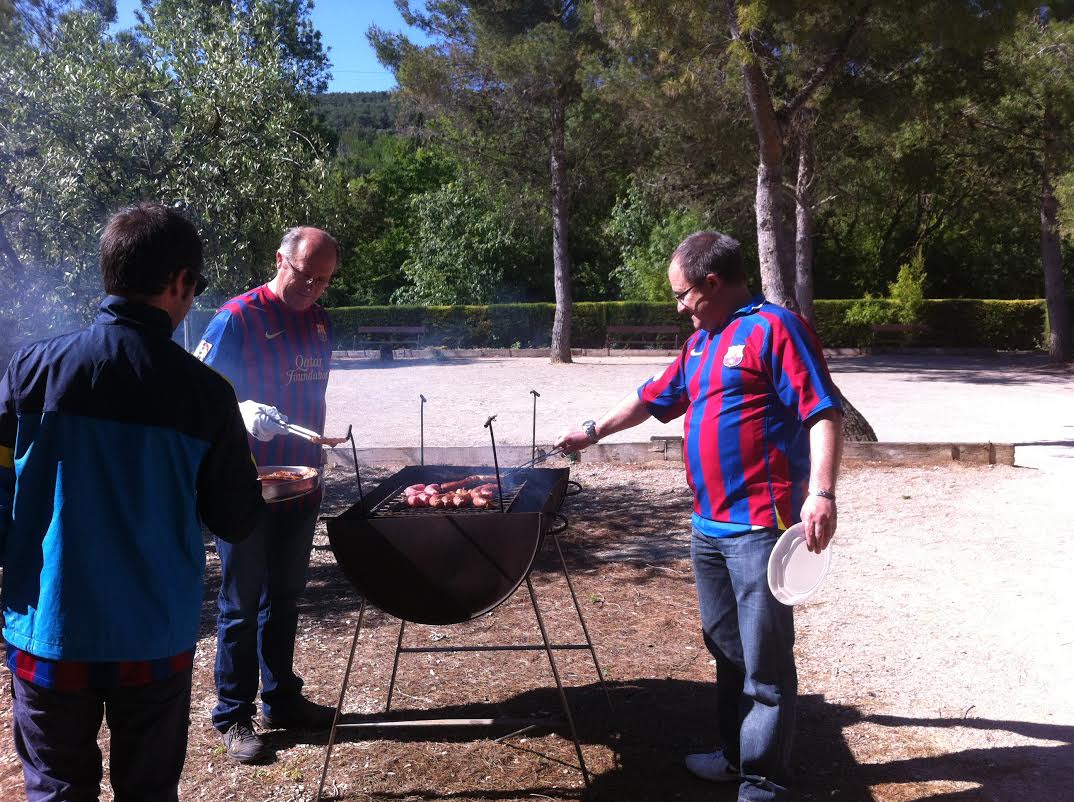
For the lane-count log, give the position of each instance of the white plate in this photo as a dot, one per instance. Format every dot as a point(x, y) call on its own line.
point(795, 573)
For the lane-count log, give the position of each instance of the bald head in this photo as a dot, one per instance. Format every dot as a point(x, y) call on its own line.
point(307, 239)
point(305, 261)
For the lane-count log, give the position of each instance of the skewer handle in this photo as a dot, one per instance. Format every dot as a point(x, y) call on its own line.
point(495, 459)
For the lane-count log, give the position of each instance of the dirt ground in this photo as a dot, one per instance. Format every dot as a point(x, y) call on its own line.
point(936, 664)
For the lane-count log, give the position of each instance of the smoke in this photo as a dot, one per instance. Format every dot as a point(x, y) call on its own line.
point(45, 301)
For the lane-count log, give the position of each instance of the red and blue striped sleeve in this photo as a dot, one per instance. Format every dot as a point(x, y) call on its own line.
point(795, 361)
point(221, 349)
point(666, 395)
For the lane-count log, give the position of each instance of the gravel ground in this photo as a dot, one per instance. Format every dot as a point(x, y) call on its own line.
point(936, 664)
point(1010, 398)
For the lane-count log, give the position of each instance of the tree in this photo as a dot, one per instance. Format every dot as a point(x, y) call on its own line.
point(790, 56)
point(368, 204)
point(1028, 114)
point(198, 110)
point(504, 85)
point(464, 247)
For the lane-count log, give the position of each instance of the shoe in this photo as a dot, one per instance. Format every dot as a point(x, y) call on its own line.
point(243, 744)
point(713, 766)
point(301, 714)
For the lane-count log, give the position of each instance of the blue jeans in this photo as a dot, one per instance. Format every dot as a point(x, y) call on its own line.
point(751, 635)
point(56, 740)
point(262, 578)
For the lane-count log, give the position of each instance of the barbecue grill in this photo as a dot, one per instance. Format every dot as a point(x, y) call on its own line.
point(445, 566)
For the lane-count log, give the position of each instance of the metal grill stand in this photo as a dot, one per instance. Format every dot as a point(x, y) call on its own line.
point(524, 725)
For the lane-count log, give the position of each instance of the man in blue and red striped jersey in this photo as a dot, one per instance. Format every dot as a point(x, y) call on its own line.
point(275, 344)
point(763, 441)
point(115, 447)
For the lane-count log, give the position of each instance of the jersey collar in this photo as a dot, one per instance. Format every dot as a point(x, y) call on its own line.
point(753, 305)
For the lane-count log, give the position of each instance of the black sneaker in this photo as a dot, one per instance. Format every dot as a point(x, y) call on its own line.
point(243, 744)
point(301, 714)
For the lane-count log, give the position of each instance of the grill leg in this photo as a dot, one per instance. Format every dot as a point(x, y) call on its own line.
point(339, 704)
point(581, 619)
point(559, 683)
point(395, 665)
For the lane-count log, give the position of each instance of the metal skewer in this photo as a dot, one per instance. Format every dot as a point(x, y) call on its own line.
point(422, 425)
point(354, 456)
point(533, 452)
point(495, 461)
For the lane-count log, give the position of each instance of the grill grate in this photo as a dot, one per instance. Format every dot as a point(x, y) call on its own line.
point(395, 505)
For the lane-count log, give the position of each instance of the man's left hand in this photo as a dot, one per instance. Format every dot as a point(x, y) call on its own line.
point(819, 520)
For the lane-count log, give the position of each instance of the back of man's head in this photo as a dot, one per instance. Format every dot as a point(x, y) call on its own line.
point(705, 252)
point(144, 246)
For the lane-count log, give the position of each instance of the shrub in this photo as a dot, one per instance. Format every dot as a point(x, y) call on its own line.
point(841, 323)
point(908, 290)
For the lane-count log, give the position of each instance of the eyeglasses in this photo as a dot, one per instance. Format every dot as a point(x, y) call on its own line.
point(200, 282)
point(680, 295)
point(306, 278)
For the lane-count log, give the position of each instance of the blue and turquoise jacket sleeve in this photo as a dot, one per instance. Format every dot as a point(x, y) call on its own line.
point(8, 428)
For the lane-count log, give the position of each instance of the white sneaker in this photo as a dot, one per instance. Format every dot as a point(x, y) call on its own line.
point(712, 766)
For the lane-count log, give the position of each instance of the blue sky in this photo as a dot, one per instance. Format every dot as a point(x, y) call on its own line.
point(342, 24)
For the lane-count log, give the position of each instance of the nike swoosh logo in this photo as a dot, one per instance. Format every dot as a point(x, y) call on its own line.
point(697, 353)
point(272, 335)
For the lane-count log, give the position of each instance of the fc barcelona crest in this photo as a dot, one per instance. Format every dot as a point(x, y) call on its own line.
point(322, 333)
point(733, 357)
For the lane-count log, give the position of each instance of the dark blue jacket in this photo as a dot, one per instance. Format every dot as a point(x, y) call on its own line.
point(115, 445)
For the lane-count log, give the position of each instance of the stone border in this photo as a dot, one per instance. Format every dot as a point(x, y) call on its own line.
point(669, 449)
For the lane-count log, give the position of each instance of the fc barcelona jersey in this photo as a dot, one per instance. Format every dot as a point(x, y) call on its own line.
point(745, 390)
point(276, 356)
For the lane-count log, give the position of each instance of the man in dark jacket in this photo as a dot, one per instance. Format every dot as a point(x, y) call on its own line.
point(115, 446)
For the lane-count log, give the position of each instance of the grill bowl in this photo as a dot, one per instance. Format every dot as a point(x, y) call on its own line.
point(284, 489)
point(444, 567)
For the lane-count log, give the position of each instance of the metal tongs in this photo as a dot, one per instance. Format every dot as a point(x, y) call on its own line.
point(539, 457)
point(312, 436)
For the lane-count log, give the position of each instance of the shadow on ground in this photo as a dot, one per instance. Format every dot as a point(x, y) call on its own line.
point(656, 722)
point(999, 369)
point(374, 363)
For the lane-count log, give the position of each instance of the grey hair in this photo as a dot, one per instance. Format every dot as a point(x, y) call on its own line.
point(705, 252)
point(292, 236)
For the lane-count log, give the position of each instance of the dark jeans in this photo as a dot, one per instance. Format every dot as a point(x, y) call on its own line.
point(751, 635)
point(56, 740)
point(262, 578)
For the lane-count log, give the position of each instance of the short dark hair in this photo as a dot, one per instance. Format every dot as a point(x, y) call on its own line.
point(144, 246)
point(705, 252)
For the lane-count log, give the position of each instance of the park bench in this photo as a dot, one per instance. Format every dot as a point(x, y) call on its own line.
point(641, 337)
point(896, 333)
point(387, 339)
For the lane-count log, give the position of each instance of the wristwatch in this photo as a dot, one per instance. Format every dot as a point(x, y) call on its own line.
point(590, 429)
point(828, 494)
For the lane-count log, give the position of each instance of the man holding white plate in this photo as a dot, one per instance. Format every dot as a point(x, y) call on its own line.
point(762, 446)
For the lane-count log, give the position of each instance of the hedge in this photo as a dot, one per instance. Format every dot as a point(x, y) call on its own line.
point(952, 323)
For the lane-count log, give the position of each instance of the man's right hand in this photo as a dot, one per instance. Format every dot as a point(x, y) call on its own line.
point(262, 421)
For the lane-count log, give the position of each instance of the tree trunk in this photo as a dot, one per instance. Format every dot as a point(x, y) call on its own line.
point(775, 236)
point(803, 251)
point(855, 427)
point(561, 325)
point(1060, 334)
